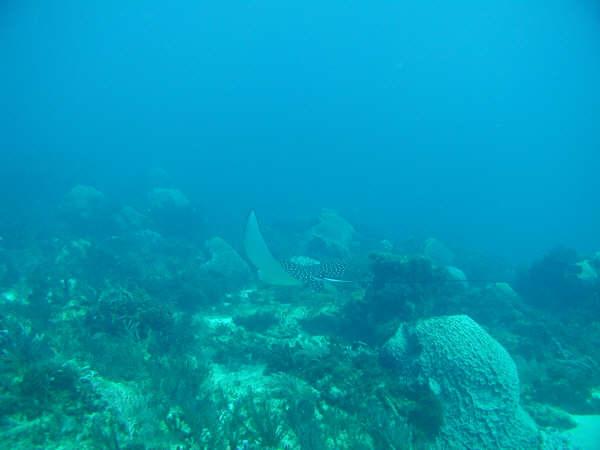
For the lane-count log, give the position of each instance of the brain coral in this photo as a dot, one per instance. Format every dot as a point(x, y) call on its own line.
point(474, 378)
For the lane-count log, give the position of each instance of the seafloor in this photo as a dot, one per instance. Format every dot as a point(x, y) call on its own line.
point(143, 327)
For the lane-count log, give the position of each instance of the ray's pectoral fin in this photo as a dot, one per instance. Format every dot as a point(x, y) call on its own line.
point(269, 269)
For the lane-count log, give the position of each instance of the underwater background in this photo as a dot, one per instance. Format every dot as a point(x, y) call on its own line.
point(300, 225)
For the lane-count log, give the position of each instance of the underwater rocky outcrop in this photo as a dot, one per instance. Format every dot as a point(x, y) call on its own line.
point(171, 211)
point(129, 219)
point(167, 200)
point(562, 282)
point(402, 288)
point(225, 270)
point(438, 253)
point(86, 210)
point(331, 238)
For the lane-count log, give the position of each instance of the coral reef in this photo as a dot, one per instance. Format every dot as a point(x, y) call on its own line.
point(125, 325)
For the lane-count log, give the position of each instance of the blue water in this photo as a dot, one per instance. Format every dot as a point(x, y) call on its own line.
point(474, 122)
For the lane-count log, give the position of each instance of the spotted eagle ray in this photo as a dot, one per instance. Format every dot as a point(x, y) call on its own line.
point(314, 273)
point(299, 270)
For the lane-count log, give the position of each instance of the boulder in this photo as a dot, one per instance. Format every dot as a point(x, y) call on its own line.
point(171, 211)
point(437, 252)
point(165, 200)
point(225, 266)
point(128, 219)
point(86, 209)
point(331, 237)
